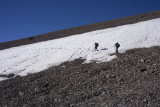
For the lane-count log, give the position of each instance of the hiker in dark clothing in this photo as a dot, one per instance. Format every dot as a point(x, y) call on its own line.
point(96, 46)
point(117, 46)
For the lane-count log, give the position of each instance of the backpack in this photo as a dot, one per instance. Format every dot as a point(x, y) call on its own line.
point(96, 44)
point(117, 45)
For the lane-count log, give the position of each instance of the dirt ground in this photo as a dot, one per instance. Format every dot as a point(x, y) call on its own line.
point(131, 80)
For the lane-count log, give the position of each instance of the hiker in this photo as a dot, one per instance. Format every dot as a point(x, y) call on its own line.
point(96, 46)
point(117, 46)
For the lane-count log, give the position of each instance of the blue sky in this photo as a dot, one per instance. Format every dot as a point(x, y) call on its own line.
point(25, 18)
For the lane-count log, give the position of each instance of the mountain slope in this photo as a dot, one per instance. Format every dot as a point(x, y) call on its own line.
point(132, 79)
point(73, 74)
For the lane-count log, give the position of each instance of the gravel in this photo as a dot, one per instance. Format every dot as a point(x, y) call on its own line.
point(132, 79)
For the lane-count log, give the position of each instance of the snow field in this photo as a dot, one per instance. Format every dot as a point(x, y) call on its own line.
point(37, 57)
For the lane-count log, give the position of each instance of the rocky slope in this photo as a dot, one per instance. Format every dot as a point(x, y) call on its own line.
point(132, 79)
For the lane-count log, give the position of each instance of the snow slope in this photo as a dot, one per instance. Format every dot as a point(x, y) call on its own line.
point(36, 57)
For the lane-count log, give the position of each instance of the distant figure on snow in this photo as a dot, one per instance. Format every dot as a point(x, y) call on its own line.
point(96, 46)
point(117, 46)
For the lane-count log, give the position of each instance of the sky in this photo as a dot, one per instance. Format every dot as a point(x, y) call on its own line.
point(25, 18)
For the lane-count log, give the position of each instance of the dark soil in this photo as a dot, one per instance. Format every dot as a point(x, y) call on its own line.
point(131, 80)
point(81, 29)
